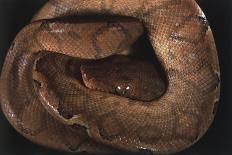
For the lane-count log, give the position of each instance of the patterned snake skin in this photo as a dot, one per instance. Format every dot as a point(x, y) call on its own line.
point(44, 98)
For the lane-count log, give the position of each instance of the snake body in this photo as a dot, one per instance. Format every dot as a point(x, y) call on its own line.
point(44, 98)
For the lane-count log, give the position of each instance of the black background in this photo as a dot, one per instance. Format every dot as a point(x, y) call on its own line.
point(14, 14)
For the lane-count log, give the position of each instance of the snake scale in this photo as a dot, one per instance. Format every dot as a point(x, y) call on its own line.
point(44, 96)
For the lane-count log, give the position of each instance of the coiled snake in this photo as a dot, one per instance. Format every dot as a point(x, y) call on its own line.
point(69, 83)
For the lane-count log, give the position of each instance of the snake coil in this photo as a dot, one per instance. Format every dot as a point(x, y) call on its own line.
point(43, 100)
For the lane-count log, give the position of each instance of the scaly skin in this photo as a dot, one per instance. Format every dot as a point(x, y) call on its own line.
point(55, 110)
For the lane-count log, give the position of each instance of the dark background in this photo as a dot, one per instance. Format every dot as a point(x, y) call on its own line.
point(14, 14)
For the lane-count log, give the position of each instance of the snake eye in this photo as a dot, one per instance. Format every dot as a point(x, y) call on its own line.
point(128, 88)
point(120, 90)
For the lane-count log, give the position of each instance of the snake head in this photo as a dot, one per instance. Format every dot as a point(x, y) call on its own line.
point(123, 76)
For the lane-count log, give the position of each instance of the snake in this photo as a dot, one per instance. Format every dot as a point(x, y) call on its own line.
point(71, 80)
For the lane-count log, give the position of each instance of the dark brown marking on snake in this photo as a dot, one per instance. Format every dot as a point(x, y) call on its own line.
point(15, 70)
point(27, 131)
point(72, 69)
point(211, 87)
point(101, 30)
point(19, 61)
point(121, 28)
point(109, 126)
point(75, 147)
point(59, 38)
point(188, 129)
point(53, 61)
point(44, 26)
point(72, 136)
point(176, 37)
point(156, 8)
point(215, 107)
point(64, 110)
point(214, 80)
point(98, 107)
point(218, 80)
point(150, 138)
point(64, 113)
point(21, 126)
point(74, 35)
point(181, 130)
point(176, 73)
point(205, 22)
point(184, 61)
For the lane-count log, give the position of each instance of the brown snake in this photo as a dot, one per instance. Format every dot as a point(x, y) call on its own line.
point(52, 96)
